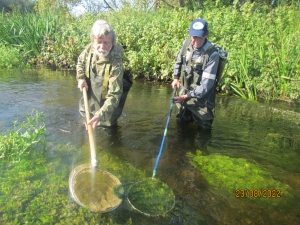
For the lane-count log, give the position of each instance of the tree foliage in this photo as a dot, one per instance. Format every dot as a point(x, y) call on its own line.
point(19, 5)
point(96, 6)
point(54, 5)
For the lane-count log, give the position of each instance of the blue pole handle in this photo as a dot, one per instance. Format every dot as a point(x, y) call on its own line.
point(165, 133)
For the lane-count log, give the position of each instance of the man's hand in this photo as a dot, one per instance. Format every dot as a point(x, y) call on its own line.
point(93, 122)
point(82, 83)
point(180, 99)
point(176, 82)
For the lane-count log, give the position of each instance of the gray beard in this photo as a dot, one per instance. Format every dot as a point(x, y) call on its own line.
point(102, 53)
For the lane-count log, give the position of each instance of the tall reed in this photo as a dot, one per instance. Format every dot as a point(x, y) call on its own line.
point(264, 48)
point(27, 30)
point(245, 86)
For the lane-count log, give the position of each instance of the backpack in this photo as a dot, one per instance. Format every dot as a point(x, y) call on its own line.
point(214, 47)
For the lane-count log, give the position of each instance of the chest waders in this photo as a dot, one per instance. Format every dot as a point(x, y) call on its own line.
point(98, 88)
point(198, 110)
point(127, 83)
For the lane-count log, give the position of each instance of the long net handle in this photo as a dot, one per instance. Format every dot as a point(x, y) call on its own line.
point(90, 129)
point(165, 133)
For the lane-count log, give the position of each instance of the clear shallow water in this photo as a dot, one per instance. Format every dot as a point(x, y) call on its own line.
point(242, 129)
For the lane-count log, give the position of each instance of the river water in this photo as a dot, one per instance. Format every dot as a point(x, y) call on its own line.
point(264, 134)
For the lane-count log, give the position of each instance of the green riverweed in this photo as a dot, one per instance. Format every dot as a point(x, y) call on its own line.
point(151, 197)
point(233, 174)
point(34, 186)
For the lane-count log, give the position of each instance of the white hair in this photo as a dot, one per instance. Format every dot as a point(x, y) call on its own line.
point(102, 28)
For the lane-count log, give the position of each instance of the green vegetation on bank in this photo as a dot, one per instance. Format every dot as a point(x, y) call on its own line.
point(263, 42)
point(11, 57)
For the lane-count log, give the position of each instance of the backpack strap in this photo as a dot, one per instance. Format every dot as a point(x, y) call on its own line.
point(222, 62)
point(207, 54)
point(184, 79)
point(89, 60)
point(108, 68)
point(186, 45)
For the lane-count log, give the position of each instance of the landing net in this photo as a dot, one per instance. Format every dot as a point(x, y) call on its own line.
point(98, 190)
point(151, 197)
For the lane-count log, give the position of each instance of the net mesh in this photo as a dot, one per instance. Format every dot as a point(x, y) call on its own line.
point(151, 197)
point(98, 190)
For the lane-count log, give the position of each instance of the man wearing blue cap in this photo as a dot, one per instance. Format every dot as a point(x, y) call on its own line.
point(195, 69)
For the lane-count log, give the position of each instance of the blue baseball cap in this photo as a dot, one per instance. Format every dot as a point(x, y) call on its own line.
point(199, 28)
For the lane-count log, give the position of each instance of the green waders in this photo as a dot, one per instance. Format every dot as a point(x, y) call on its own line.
point(97, 89)
point(199, 110)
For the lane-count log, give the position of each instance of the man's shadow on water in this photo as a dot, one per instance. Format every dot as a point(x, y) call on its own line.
point(108, 137)
point(184, 178)
point(191, 138)
point(115, 140)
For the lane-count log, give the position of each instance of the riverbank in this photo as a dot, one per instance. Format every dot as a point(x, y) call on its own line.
point(263, 61)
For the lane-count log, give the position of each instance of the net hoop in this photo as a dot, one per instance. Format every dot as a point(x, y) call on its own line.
point(80, 169)
point(147, 214)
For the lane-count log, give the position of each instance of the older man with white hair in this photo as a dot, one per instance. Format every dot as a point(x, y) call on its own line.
point(100, 70)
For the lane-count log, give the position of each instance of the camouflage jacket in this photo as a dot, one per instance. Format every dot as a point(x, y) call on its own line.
point(111, 69)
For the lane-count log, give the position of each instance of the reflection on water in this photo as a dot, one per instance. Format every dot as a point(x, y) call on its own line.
point(264, 134)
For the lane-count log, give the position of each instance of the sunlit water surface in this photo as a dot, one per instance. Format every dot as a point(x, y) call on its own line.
point(241, 129)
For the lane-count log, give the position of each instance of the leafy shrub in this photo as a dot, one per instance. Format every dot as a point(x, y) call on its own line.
point(11, 56)
point(25, 139)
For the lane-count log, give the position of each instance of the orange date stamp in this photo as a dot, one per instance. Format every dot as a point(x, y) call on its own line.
point(252, 193)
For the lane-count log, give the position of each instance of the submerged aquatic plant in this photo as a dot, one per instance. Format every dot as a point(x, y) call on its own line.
point(151, 197)
point(36, 191)
point(24, 138)
point(235, 176)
